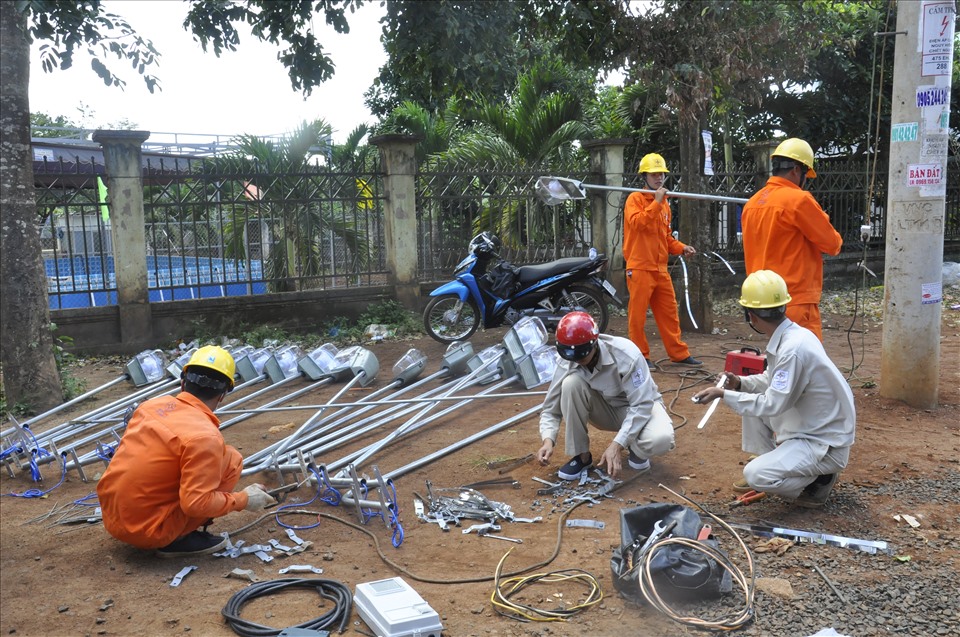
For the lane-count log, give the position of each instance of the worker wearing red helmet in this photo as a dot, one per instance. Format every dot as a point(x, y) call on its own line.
point(647, 245)
point(172, 471)
point(604, 381)
point(786, 230)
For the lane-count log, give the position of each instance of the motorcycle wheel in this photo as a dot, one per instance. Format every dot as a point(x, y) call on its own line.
point(445, 323)
point(589, 300)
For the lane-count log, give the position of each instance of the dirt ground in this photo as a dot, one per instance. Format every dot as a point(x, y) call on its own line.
point(73, 579)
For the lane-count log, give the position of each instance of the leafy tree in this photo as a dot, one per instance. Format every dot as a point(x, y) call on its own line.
point(442, 49)
point(707, 52)
point(61, 28)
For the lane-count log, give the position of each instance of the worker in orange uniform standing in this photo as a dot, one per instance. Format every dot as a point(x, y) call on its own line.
point(172, 471)
point(647, 244)
point(786, 230)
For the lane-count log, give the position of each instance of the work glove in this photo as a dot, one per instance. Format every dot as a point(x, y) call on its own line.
point(258, 498)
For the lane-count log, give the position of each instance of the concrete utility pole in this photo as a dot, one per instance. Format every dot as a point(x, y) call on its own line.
point(913, 298)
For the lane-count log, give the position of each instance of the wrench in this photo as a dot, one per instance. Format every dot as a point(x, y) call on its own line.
point(659, 530)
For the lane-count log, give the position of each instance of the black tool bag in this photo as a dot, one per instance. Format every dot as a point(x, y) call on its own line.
point(678, 573)
point(501, 279)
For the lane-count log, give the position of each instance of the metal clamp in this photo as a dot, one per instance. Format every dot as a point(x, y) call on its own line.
point(186, 570)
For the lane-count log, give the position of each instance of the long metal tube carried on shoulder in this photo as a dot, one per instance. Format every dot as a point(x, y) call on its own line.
point(556, 190)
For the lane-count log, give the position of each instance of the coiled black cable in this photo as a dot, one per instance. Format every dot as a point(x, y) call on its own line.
point(332, 590)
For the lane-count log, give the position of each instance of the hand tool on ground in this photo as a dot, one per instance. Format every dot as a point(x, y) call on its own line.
point(713, 406)
point(489, 526)
point(552, 487)
point(506, 465)
point(493, 483)
point(746, 498)
point(488, 533)
point(811, 537)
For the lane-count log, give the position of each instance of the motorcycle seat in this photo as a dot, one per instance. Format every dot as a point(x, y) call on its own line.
point(533, 273)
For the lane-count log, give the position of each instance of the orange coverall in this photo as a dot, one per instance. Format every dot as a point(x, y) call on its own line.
point(786, 230)
point(647, 243)
point(171, 473)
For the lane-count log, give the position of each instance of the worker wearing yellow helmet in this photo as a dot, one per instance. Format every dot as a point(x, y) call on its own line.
point(786, 230)
point(647, 245)
point(172, 471)
point(799, 417)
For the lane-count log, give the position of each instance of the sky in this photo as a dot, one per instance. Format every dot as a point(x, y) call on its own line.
point(246, 91)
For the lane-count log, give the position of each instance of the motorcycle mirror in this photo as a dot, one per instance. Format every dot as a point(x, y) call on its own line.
point(554, 191)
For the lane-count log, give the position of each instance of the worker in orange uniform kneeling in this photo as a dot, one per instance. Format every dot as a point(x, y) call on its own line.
point(647, 244)
point(172, 471)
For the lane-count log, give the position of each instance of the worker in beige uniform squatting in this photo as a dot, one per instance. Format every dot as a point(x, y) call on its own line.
point(798, 415)
point(602, 380)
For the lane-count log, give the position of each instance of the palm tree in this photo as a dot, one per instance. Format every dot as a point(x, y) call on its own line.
point(539, 123)
point(280, 180)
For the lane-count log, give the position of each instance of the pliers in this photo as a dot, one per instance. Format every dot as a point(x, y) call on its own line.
point(746, 498)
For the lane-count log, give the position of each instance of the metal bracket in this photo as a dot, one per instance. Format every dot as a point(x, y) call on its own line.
point(300, 568)
point(585, 524)
point(186, 570)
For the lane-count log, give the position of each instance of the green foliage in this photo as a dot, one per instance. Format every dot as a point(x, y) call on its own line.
point(392, 314)
point(64, 27)
point(288, 23)
point(72, 386)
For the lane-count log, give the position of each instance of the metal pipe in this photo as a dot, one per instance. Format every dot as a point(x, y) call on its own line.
point(671, 193)
point(316, 437)
point(249, 413)
point(416, 464)
point(406, 401)
point(69, 403)
point(412, 424)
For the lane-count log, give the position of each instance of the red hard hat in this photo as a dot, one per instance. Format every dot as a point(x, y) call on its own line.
point(576, 335)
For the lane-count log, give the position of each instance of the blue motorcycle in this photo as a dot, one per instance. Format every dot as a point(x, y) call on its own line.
point(485, 296)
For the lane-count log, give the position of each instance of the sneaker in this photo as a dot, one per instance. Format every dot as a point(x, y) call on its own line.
point(690, 361)
point(573, 468)
point(637, 463)
point(195, 543)
point(817, 492)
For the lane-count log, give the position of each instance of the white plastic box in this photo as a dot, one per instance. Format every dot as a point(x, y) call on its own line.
point(393, 609)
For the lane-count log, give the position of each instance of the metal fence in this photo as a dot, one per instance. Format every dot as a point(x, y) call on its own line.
point(212, 232)
point(216, 232)
point(456, 202)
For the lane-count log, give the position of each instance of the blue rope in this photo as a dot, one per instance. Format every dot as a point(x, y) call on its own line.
point(35, 472)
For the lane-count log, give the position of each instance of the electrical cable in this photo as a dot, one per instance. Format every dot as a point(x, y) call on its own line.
point(332, 590)
point(728, 623)
point(504, 589)
point(431, 580)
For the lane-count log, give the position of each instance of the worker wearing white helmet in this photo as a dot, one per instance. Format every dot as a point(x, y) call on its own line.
point(798, 415)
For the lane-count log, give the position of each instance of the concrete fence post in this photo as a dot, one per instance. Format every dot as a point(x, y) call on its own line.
point(122, 157)
point(606, 161)
point(399, 163)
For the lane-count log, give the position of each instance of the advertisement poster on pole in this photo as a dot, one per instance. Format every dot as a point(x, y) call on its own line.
point(707, 152)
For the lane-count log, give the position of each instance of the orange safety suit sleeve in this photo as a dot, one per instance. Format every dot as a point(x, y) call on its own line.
point(786, 230)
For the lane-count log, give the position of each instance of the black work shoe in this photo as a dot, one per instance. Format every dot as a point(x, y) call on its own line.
point(637, 463)
point(651, 364)
point(195, 543)
point(816, 493)
point(690, 361)
point(573, 468)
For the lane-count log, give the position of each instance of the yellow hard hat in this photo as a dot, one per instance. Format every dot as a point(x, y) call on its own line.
point(799, 150)
point(215, 358)
point(652, 163)
point(764, 289)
